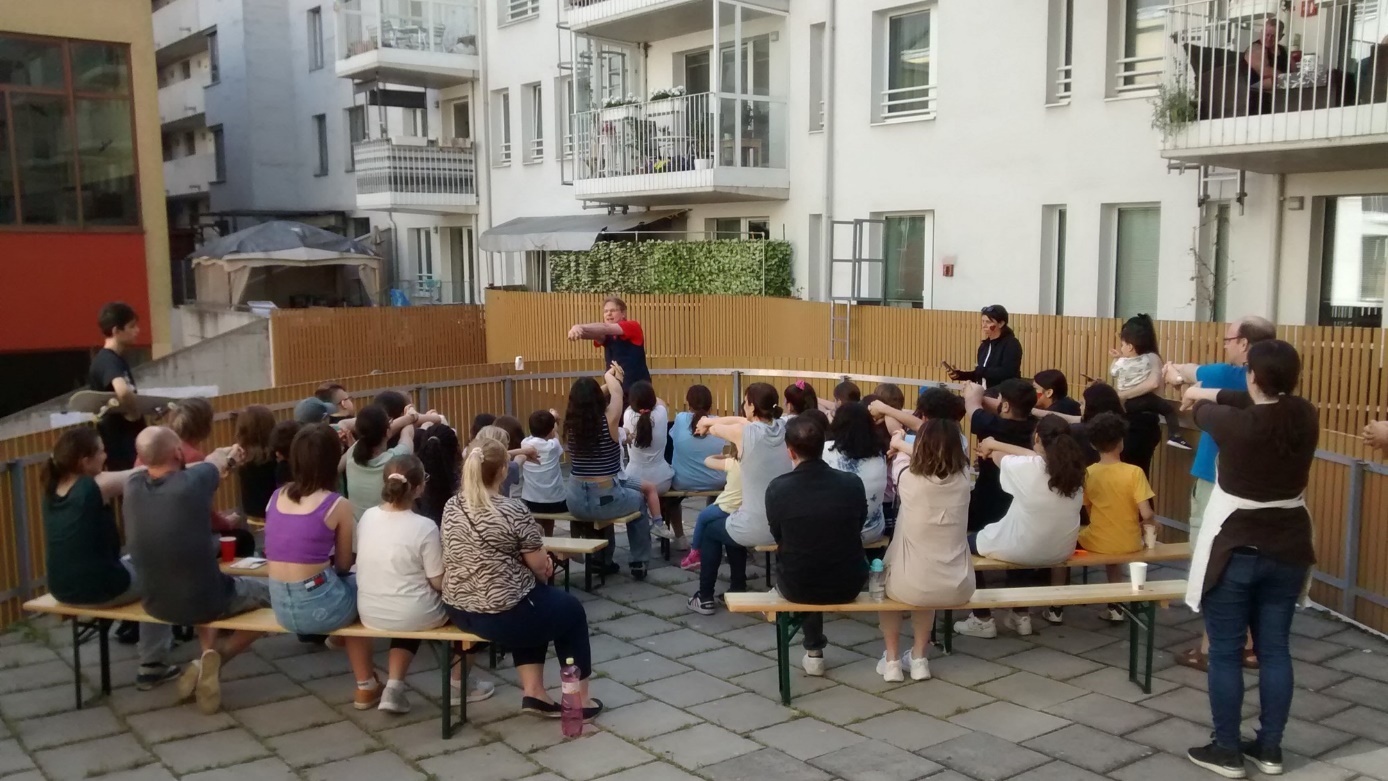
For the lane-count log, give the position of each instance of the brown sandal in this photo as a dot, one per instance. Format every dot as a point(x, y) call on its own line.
point(1193, 659)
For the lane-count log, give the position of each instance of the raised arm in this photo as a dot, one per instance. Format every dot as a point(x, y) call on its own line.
point(1180, 373)
point(973, 398)
point(719, 462)
point(1041, 413)
point(112, 484)
point(125, 393)
point(728, 429)
point(594, 331)
point(991, 448)
point(881, 409)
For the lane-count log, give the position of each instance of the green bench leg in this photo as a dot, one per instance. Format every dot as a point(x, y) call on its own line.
point(1142, 627)
point(948, 616)
point(769, 584)
point(787, 626)
point(444, 650)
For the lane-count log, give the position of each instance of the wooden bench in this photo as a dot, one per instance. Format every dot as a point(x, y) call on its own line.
point(773, 547)
point(597, 526)
point(670, 505)
point(1164, 552)
point(88, 622)
point(1139, 606)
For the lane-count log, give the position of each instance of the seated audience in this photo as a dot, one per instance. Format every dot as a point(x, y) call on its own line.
point(727, 502)
point(254, 427)
point(82, 544)
point(1053, 393)
point(363, 464)
point(856, 446)
point(494, 583)
point(168, 511)
point(191, 420)
point(331, 401)
point(309, 532)
point(800, 398)
point(479, 422)
point(439, 452)
point(400, 577)
point(281, 437)
point(691, 451)
point(646, 423)
point(542, 483)
point(816, 514)
point(1006, 419)
point(928, 562)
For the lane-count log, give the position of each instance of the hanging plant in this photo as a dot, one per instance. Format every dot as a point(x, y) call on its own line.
point(1173, 107)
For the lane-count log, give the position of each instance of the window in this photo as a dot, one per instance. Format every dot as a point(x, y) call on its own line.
point(1135, 260)
point(906, 80)
point(1060, 50)
point(186, 69)
point(738, 228)
point(356, 133)
point(315, 38)
point(1053, 260)
point(1140, 63)
point(67, 151)
point(906, 251)
point(417, 122)
point(214, 58)
point(532, 122)
point(501, 127)
point(358, 227)
point(518, 10)
point(219, 154)
point(564, 115)
point(462, 118)
point(537, 272)
point(816, 77)
point(421, 253)
point(320, 136)
point(190, 144)
point(1354, 262)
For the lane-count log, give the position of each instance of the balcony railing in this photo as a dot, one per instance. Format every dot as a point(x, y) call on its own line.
point(680, 134)
point(397, 174)
point(176, 20)
point(189, 175)
point(1320, 96)
point(182, 99)
point(407, 28)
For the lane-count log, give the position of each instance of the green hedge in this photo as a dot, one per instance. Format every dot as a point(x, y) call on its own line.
point(708, 267)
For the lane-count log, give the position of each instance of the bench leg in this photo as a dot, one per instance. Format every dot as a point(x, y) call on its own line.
point(787, 625)
point(769, 584)
point(948, 616)
point(103, 639)
point(1142, 627)
point(446, 654)
point(665, 548)
point(77, 661)
point(566, 574)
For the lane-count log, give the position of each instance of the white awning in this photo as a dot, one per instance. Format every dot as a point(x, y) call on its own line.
point(571, 232)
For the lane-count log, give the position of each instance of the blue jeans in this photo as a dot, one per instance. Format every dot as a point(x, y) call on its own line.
point(329, 605)
point(590, 501)
point(715, 538)
point(711, 513)
point(1260, 593)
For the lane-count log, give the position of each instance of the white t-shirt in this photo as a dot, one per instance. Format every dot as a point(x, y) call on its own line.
point(648, 464)
point(1041, 526)
point(543, 481)
point(397, 553)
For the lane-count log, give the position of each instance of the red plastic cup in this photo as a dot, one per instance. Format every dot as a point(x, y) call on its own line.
point(228, 549)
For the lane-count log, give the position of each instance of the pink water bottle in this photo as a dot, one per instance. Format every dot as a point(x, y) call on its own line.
point(571, 703)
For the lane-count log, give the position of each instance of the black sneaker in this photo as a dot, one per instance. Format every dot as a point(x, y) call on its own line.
point(149, 677)
point(638, 570)
point(610, 568)
point(1267, 760)
point(1178, 441)
point(704, 607)
point(127, 633)
point(1225, 762)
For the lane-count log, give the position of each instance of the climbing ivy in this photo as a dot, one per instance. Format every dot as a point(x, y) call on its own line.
point(744, 268)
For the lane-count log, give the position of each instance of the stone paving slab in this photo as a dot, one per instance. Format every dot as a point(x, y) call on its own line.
point(806, 738)
point(875, 761)
point(212, 750)
point(50, 731)
point(92, 758)
point(984, 757)
point(765, 765)
point(699, 746)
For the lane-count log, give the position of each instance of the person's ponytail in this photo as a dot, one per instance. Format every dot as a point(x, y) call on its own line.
point(1065, 459)
point(372, 428)
point(69, 451)
point(484, 459)
point(644, 429)
point(643, 401)
point(699, 399)
point(401, 478)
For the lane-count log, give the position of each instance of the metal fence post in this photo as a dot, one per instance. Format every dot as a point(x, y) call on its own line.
point(20, 507)
point(508, 396)
point(737, 392)
point(1354, 515)
point(421, 398)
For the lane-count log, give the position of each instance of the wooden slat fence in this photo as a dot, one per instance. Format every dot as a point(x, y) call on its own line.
point(309, 345)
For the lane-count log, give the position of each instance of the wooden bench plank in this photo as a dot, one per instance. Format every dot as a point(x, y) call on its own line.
point(882, 543)
point(1166, 551)
point(597, 525)
point(688, 494)
point(986, 598)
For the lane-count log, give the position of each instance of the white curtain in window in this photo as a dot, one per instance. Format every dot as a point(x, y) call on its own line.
point(1136, 261)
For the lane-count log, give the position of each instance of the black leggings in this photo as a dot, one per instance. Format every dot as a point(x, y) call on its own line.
point(1151, 402)
point(543, 616)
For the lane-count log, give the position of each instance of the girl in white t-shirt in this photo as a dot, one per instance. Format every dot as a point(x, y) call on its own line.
point(542, 477)
point(400, 576)
point(647, 425)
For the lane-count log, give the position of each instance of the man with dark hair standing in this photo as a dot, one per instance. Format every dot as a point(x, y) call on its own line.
point(999, 354)
point(110, 373)
point(1233, 375)
point(622, 341)
point(816, 515)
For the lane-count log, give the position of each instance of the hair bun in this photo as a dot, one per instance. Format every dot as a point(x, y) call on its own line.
point(776, 411)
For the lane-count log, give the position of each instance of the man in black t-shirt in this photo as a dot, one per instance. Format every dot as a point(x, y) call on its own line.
point(109, 373)
point(1011, 423)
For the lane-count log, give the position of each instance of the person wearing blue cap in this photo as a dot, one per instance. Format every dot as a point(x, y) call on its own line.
point(331, 400)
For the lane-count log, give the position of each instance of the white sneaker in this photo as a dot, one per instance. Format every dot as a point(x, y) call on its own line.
point(1019, 622)
point(814, 665)
point(393, 698)
point(662, 530)
point(973, 626)
point(481, 690)
point(682, 544)
point(1112, 615)
point(1053, 616)
point(920, 668)
point(890, 669)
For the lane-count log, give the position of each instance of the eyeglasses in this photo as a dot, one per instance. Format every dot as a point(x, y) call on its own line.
point(1229, 339)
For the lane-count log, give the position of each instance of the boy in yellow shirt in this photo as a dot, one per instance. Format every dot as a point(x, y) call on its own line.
point(1118, 497)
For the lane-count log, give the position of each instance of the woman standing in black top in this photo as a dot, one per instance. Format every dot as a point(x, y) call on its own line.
point(1254, 552)
point(999, 354)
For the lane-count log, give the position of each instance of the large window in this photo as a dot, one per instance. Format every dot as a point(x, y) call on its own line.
point(1060, 51)
point(906, 250)
point(1143, 24)
point(1135, 260)
point(736, 228)
point(1053, 229)
point(501, 127)
point(320, 138)
point(67, 140)
point(315, 38)
point(533, 122)
point(1354, 263)
point(816, 77)
point(356, 133)
point(907, 79)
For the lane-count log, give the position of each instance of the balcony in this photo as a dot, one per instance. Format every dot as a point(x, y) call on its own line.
point(182, 104)
point(419, 43)
point(653, 20)
point(178, 28)
point(191, 175)
point(415, 175)
point(682, 150)
point(1318, 103)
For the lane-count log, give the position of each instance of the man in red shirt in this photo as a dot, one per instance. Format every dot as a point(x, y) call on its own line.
point(621, 340)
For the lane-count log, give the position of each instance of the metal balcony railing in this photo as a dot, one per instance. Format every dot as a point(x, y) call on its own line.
point(421, 170)
point(436, 26)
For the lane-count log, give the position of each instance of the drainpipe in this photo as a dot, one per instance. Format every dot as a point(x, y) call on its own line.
point(826, 227)
point(1277, 219)
point(485, 166)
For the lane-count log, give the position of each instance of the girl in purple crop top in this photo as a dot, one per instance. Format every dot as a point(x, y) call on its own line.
point(308, 539)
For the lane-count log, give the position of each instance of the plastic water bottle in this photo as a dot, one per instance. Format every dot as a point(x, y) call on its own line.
point(571, 702)
point(877, 581)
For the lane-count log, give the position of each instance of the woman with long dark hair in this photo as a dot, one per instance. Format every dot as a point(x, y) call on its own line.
point(760, 439)
point(362, 464)
point(800, 397)
point(855, 444)
point(1254, 551)
point(591, 428)
point(442, 458)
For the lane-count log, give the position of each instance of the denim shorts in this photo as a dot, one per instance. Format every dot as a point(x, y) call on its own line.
point(316, 606)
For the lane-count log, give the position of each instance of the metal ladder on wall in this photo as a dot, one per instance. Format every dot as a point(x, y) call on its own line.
point(856, 273)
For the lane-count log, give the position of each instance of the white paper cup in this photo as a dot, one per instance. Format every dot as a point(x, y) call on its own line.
point(520, 363)
point(1138, 571)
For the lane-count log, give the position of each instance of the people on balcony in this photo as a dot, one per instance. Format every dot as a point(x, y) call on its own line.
point(1266, 58)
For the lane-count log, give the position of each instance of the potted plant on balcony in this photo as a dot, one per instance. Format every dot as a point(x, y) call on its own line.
point(1173, 107)
point(616, 108)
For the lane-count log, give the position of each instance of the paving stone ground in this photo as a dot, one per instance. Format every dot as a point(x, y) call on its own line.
point(693, 697)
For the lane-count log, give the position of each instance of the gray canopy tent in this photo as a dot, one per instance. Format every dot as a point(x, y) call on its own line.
point(232, 262)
